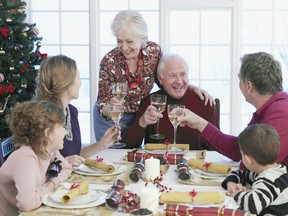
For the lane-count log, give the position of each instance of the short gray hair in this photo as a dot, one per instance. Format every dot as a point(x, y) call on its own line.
point(130, 20)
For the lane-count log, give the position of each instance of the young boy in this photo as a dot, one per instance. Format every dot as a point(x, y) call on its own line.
point(263, 189)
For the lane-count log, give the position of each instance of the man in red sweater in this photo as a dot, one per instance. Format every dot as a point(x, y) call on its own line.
point(260, 81)
point(172, 74)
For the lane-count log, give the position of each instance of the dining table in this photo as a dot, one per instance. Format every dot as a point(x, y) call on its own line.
point(103, 184)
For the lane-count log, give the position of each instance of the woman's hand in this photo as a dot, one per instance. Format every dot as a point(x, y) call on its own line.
point(203, 95)
point(149, 117)
point(110, 136)
point(74, 160)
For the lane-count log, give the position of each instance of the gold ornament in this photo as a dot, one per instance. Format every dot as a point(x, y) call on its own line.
point(2, 52)
point(24, 34)
point(24, 86)
point(11, 68)
point(8, 20)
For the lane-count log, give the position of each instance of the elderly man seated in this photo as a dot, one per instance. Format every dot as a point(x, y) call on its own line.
point(172, 74)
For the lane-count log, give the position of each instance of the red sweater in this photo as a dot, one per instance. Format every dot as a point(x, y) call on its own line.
point(134, 135)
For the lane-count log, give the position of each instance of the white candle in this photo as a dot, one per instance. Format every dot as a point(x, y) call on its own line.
point(149, 198)
point(152, 168)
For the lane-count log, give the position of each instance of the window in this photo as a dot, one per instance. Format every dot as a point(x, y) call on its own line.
point(211, 35)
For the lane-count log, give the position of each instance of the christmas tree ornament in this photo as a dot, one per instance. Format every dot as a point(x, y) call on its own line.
point(11, 68)
point(24, 34)
point(8, 20)
point(2, 77)
point(2, 52)
point(39, 44)
point(35, 31)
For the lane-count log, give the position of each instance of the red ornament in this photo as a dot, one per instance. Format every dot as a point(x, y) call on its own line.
point(4, 32)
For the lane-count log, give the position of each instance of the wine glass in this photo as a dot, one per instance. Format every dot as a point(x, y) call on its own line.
point(119, 90)
point(116, 112)
point(174, 111)
point(158, 101)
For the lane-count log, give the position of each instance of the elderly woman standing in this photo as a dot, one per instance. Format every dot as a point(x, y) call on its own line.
point(133, 61)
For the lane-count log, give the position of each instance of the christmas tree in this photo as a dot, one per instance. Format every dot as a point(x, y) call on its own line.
point(20, 58)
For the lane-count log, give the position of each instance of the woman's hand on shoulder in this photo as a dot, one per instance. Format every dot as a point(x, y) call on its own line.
point(203, 95)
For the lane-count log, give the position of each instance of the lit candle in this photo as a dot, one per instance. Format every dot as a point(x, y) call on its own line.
point(152, 168)
point(149, 199)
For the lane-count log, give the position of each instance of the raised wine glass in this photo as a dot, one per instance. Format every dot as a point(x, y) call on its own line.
point(119, 90)
point(174, 111)
point(158, 101)
point(116, 112)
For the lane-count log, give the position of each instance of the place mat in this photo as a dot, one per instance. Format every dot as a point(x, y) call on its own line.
point(76, 178)
point(162, 146)
point(46, 210)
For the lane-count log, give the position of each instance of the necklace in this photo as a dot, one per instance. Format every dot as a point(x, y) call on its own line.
point(138, 80)
point(67, 126)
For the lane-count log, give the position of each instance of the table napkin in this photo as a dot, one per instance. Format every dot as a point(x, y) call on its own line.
point(214, 197)
point(162, 146)
point(106, 167)
point(81, 189)
point(211, 167)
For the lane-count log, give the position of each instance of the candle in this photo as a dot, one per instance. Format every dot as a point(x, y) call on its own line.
point(152, 168)
point(149, 199)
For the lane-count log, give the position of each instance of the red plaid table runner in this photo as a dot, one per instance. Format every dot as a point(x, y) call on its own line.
point(134, 156)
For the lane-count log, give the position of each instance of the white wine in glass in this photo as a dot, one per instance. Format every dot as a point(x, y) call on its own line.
point(174, 111)
point(116, 112)
point(119, 90)
point(158, 101)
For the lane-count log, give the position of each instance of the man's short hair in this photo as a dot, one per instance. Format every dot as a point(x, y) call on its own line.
point(261, 142)
point(263, 71)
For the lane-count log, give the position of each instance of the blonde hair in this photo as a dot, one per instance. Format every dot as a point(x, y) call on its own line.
point(56, 75)
point(29, 120)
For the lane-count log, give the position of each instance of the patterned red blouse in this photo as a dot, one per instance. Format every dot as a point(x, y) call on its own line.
point(112, 69)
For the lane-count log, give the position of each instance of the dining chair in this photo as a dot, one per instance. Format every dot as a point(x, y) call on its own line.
point(5, 150)
point(217, 101)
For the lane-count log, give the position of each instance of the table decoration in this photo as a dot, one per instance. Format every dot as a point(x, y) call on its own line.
point(164, 146)
point(106, 167)
point(152, 168)
point(209, 166)
point(183, 170)
point(137, 171)
point(134, 156)
point(149, 198)
point(208, 197)
point(183, 210)
point(114, 197)
point(75, 190)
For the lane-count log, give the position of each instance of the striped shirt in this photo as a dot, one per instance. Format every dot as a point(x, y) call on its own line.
point(267, 192)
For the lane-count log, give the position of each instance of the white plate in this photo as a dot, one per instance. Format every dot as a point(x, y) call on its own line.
point(93, 198)
point(85, 170)
point(206, 175)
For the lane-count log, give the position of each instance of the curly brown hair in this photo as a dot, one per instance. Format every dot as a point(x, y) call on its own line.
point(29, 120)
